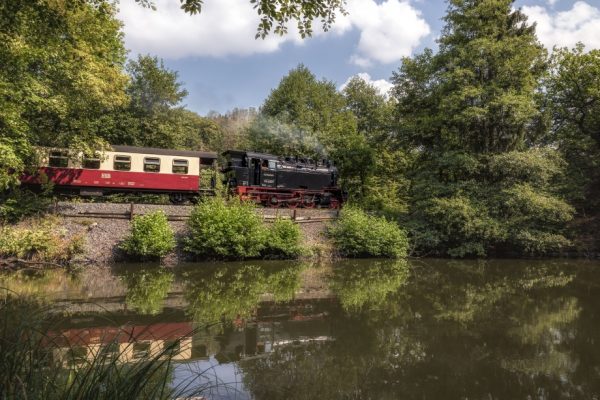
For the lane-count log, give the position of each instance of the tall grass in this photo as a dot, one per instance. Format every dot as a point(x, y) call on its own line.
point(35, 365)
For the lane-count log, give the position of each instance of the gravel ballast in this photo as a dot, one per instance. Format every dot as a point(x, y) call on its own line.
point(104, 234)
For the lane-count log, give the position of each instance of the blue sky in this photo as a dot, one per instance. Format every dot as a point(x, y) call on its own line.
point(223, 66)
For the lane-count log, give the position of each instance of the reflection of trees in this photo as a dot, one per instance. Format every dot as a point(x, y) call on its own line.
point(500, 329)
point(227, 291)
point(44, 282)
point(545, 332)
point(147, 289)
point(366, 284)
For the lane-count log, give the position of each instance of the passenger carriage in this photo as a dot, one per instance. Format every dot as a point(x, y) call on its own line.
point(125, 169)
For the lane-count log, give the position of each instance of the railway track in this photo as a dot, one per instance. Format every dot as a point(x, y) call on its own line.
point(128, 211)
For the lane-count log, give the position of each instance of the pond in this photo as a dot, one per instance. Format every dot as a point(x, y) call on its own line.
point(361, 329)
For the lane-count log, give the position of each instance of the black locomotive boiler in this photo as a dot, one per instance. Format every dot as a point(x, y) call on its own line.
point(275, 181)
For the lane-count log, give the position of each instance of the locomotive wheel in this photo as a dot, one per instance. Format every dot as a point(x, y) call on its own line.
point(309, 202)
point(274, 202)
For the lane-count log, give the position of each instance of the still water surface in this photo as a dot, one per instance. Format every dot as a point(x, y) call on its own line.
point(368, 329)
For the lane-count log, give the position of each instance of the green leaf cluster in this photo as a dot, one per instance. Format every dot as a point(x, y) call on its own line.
point(150, 236)
point(42, 242)
point(476, 205)
point(358, 234)
point(231, 229)
point(484, 179)
point(284, 239)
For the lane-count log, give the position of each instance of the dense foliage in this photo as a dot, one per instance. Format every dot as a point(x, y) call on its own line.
point(487, 146)
point(481, 183)
point(151, 236)
point(357, 234)
point(284, 239)
point(41, 242)
point(224, 229)
point(231, 229)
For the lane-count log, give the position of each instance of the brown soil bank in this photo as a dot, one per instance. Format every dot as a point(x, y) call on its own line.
point(105, 225)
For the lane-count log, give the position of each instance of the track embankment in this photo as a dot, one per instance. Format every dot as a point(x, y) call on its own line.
point(105, 225)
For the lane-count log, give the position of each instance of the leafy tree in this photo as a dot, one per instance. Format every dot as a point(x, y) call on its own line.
point(154, 117)
point(61, 71)
point(573, 98)
point(478, 93)
point(235, 127)
point(379, 164)
point(152, 86)
point(471, 114)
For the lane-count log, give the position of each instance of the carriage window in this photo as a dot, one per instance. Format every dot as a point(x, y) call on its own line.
point(91, 162)
point(59, 159)
point(180, 166)
point(122, 163)
point(272, 164)
point(151, 164)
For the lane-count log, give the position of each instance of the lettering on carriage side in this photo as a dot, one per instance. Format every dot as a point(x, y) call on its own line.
point(130, 183)
point(268, 180)
point(105, 176)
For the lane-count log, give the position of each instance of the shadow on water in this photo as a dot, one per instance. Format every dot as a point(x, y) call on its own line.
point(422, 329)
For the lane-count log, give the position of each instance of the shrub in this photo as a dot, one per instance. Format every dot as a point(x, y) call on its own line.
point(357, 234)
point(150, 236)
point(224, 229)
point(283, 240)
point(41, 242)
point(19, 203)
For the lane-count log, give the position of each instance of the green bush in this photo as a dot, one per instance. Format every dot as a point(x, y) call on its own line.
point(505, 204)
point(283, 239)
point(357, 234)
point(150, 236)
point(40, 242)
point(19, 203)
point(223, 229)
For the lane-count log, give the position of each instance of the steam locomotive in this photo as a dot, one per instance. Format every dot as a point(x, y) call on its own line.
point(185, 176)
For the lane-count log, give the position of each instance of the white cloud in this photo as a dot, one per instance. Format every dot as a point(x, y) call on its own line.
point(223, 28)
point(382, 85)
point(388, 31)
point(565, 28)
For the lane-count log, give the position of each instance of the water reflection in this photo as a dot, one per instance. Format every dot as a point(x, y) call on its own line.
point(360, 285)
point(147, 288)
point(232, 291)
point(427, 329)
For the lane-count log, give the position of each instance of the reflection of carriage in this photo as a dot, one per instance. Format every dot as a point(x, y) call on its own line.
point(263, 178)
point(282, 182)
